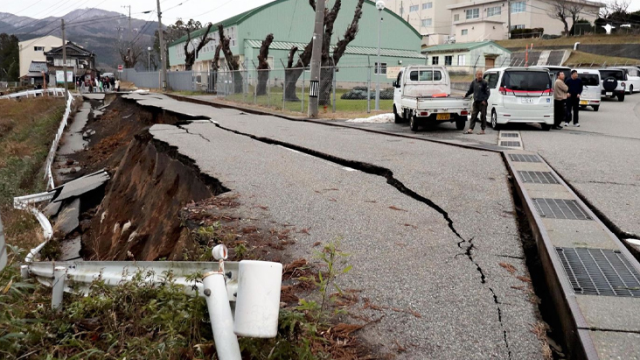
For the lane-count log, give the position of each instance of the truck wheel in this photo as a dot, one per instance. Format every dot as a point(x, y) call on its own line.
point(413, 123)
point(461, 121)
point(494, 121)
point(621, 97)
point(398, 119)
point(596, 107)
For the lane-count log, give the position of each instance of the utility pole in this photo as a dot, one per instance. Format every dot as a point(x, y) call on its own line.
point(129, 6)
point(163, 77)
point(64, 61)
point(316, 60)
point(380, 7)
point(509, 17)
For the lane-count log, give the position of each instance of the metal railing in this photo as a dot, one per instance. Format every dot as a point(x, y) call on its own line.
point(56, 141)
point(35, 93)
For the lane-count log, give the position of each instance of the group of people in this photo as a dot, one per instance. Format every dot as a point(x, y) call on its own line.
point(566, 101)
point(96, 85)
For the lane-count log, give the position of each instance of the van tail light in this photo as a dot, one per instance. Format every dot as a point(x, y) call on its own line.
point(503, 90)
point(464, 112)
point(424, 113)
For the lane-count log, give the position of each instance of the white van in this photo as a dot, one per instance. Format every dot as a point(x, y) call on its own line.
point(520, 95)
point(633, 77)
point(592, 88)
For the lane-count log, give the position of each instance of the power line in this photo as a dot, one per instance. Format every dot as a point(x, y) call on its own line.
point(28, 7)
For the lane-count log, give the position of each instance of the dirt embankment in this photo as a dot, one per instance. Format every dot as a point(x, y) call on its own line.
point(138, 218)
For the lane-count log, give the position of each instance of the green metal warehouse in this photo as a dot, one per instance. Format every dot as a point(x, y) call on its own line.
point(291, 23)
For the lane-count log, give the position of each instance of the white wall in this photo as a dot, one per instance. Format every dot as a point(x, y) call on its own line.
point(28, 54)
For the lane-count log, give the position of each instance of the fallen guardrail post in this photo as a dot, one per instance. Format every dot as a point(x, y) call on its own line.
point(3, 248)
point(253, 285)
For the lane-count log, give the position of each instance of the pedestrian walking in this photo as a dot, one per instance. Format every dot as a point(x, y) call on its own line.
point(560, 95)
point(573, 101)
point(100, 85)
point(90, 86)
point(118, 85)
point(480, 90)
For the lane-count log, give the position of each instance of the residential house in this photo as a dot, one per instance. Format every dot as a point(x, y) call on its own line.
point(481, 20)
point(443, 21)
point(37, 73)
point(80, 61)
point(34, 49)
point(468, 57)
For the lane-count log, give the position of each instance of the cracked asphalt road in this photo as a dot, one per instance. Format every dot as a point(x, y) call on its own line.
point(405, 253)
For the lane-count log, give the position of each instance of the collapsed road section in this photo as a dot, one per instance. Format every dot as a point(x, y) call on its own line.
point(442, 248)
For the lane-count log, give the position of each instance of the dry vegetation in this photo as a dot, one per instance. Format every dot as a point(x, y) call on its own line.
point(569, 41)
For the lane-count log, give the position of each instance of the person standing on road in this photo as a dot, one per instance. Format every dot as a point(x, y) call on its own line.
point(480, 90)
point(573, 101)
point(560, 95)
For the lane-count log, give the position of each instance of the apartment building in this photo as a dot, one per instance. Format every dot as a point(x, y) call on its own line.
point(34, 49)
point(482, 20)
point(441, 21)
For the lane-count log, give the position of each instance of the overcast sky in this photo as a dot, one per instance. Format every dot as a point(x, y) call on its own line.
point(202, 10)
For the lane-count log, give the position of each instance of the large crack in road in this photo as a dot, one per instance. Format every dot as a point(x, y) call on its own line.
point(464, 244)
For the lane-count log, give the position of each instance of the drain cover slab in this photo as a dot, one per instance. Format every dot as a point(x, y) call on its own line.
point(538, 177)
point(510, 135)
point(560, 209)
point(524, 158)
point(510, 143)
point(599, 272)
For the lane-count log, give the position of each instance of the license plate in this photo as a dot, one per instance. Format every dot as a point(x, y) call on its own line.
point(609, 93)
point(584, 102)
point(526, 101)
point(443, 116)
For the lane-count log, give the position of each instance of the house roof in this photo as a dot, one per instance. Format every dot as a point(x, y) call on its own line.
point(461, 47)
point(72, 49)
point(355, 50)
point(38, 66)
point(240, 18)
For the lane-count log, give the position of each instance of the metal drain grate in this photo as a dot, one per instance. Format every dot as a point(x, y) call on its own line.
point(524, 158)
point(560, 209)
point(510, 135)
point(599, 272)
point(510, 143)
point(538, 177)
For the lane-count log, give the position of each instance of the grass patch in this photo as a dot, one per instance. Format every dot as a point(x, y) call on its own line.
point(569, 41)
point(583, 59)
point(27, 129)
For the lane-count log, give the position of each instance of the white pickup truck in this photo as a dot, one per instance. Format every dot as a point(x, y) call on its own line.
point(423, 94)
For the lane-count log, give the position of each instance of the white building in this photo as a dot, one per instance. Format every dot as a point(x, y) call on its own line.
point(468, 57)
point(34, 49)
point(440, 21)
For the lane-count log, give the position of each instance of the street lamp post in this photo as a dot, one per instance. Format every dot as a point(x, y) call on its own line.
point(380, 7)
point(149, 58)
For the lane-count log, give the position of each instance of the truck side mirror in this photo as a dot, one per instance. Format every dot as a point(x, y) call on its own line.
point(395, 84)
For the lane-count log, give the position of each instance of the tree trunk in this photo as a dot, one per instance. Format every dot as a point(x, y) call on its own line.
point(263, 66)
point(291, 77)
point(326, 85)
point(232, 63)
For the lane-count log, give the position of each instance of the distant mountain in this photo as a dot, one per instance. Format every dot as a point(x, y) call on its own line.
point(94, 29)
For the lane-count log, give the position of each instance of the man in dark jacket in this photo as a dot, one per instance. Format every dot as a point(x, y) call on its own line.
point(480, 90)
point(573, 101)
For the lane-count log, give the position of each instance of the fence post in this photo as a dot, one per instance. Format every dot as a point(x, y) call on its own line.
point(283, 89)
point(368, 86)
point(335, 82)
point(302, 93)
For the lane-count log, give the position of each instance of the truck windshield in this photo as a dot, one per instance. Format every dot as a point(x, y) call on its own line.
point(425, 75)
point(527, 80)
point(590, 79)
point(616, 74)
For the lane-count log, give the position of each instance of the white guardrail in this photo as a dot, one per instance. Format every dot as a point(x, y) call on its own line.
point(3, 248)
point(253, 285)
point(56, 141)
point(34, 93)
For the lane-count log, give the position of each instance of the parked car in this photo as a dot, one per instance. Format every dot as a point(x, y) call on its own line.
point(555, 70)
point(520, 95)
point(592, 92)
point(613, 83)
point(423, 94)
point(633, 77)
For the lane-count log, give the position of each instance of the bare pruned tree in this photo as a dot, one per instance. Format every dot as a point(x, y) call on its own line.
point(130, 53)
point(230, 60)
point(263, 65)
point(330, 57)
point(565, 10)
point(191, 55)
point(614, 7)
